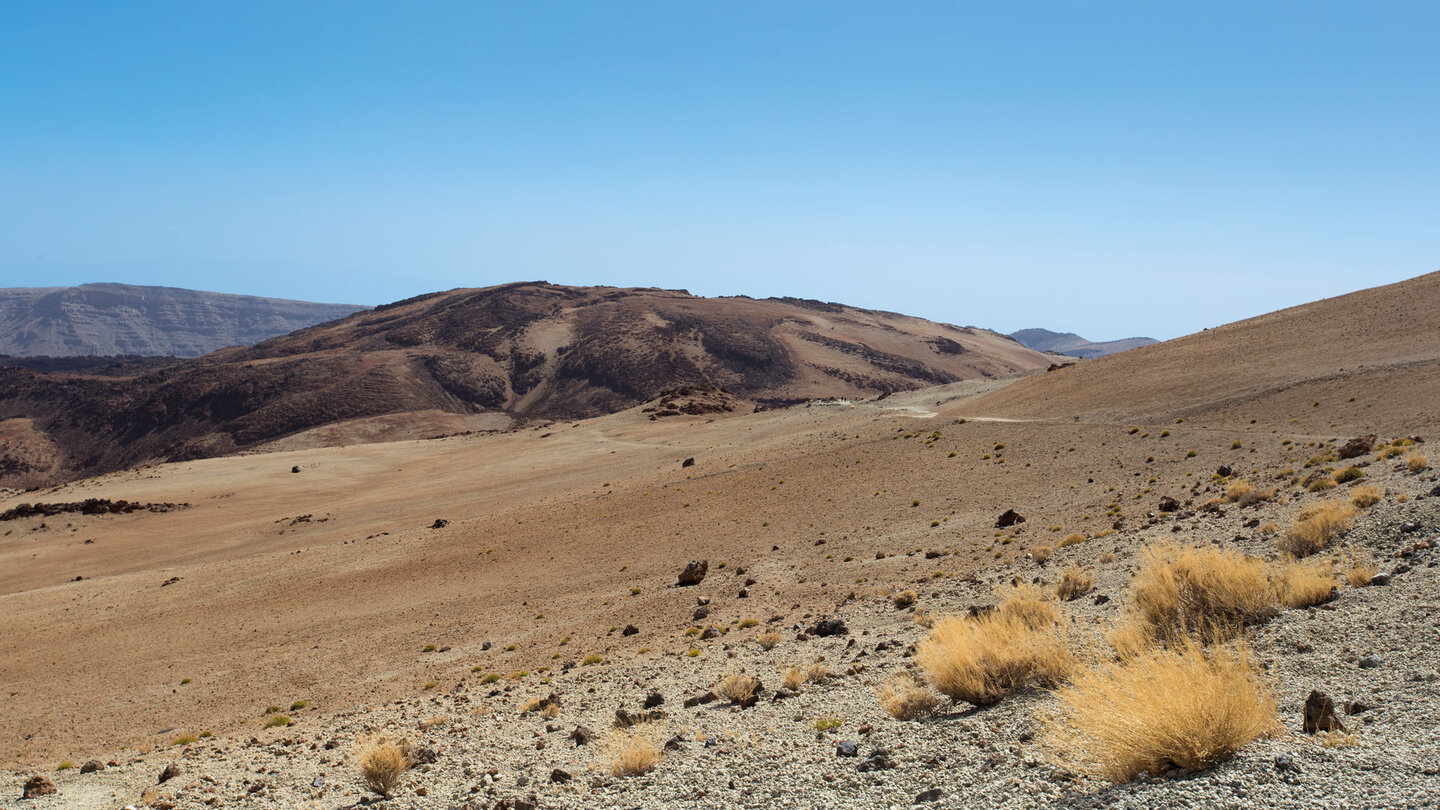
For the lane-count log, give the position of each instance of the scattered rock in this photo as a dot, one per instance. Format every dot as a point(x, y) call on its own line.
point(1224, 471)
point(1284, 763)
point(425, 756)
point(1008, 518)
point(654, 699)
point(1381, 578)
point(92, 766)
point(1357, 707)
point(624, 719)
point(1101, 599)
point(1409, 526)
point(1356, 447)
point(294, 469)
point(700, 613)
point(582, 735)
point(701, 699)
point(1369, 662)
point(931, 795)
point(517, 803)
point(847, 748)
point(879, 760)
point(693, 573)
point(38, 785)
point(689, 462)
point(828, 627)
point(1319, 714)
point(560, 777)
point(439, 523)
point(1169, 504)
point(629, 630)
point(171, 771)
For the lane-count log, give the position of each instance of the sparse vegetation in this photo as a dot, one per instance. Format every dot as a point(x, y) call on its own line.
point(768, 639)
point(1244, 493)
point(980, 660)
point(1359, 569)
point(793, 678)
point(1072, 539)
point(817, 672)
point(591, 660)
point(1365, 496)
point(904, 599)
point(1416, 462)
point(1349, 474)
point(184, 739)
point(827, 722)
point(1074, 583)
point(1304, 583)
point(1315, 527)
point(1208, 592)
point(381, 761)
point(632, 753)
point(277, 721)
point(905, 698)
point(1041, 554)
point(1187, 707)
point(737, 686)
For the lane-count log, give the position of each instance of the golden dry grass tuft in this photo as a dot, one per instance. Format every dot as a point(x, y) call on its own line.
point(737, 686)
point(793, 678)
point(905, 698)
point(1315, 527)
point(1029, 604)
point(1040, 554)
point(1187, 707)
point(924, 618)
point(981, 660)
point(1305, 583)
point(381, 761)
point(1417, 462)
point(1210, 592)
point(1359, 568)
point(904, 599)
point(1074, 583)
point(769, 639)
point(817, 672)
point(1365, 496)
point(1072, 539)
point(1244, 493)
point(632, 753)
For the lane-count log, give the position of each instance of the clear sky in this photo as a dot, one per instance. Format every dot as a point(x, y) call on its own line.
point(1110, 168)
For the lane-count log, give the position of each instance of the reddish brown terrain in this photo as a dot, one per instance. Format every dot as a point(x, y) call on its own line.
point(327, 583)
point(478, 360)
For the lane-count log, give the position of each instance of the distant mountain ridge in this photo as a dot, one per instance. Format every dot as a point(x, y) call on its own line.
point(124, 319)
point(1069, 343)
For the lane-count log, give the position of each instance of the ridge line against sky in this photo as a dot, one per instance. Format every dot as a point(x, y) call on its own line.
point(1110, 169)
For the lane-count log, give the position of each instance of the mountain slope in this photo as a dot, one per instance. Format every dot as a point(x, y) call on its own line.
point(122, 319)
point(464, 358)
point(1069, 343)
point(1379, 341)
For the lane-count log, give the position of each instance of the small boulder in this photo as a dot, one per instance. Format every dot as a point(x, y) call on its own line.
point(1169, 504)
point(689, 462)
point(931, 795)
point(582, 735)
point(1008, 518)
point(92, 766)
point(847, 748)
point(694, 573)
point(1224, 471)
point(654, 699)
point(1369, 662)
point(560, 777)
point(439, 523)
point(828, 627)
point(171, 771)
point(1381, 578)
point(1356, 447)
point(629, 630)
point(1320, 714)
point(38, 785)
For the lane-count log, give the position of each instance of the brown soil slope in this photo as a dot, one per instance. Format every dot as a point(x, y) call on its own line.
point(520, 350)
point(1388, 335)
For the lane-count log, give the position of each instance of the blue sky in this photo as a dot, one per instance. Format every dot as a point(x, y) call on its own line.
point(1110, 168)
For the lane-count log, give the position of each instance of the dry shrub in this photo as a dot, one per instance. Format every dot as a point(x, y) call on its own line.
point(1359, 569)
point(1305, 583)
point(793, 678)
point(924, 618)
point(1040, 554)
point(1348, 474)
point(1315, 527)
point(632, 753)
point(381, 761)
point(737, 686)
point(1072, 539)
point(1417, 462)
point(1029, 604)
point(1165, 708)
point(769, 639)
point(533, 704)
point(1244, 493)
point(551, 711)
point(1365, 496)
point(906, 699)
point(981, 660)
point(1130, 638)
point(817, 672)
point(1207, 591)
point(904, 599)
point(1074, 583)
point(437, 720)
point(1321, 485)
point(1107, 557)
point(1269, 530)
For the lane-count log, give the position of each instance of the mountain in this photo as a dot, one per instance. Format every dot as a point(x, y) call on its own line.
point(1069, 343)
point(123, 319)
point(1317, 362)
point(484, 359)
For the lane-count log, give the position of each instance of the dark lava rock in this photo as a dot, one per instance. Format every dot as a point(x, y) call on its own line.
point(629, 630)
point(697, 700)
point(1168, 504)
point(709, 633)
point(485, 646)
point(517, 803)
point(1320, 714)
point(689, 462)
point(847, 748)
point(425, 756)
point(171, 771)
point(38, 785)
point(624, 719)
point(1101, 599)
point(1356, 447)
point(828, 627)
point(1357, 707)
point(879, 760)
point(1409, 526)
point(1381, 578)
point(582, 735)
point(654, 699)
point(694, 573)
point(439, 523)
point(931, 795)
point(743, 594)
point(560, 776)
point(1283, 763)
point(675, 743)
point(1369, 662)
point(1224, 471)
point(700, 613)
point(294, 469)
point(92, 766)
point(1008, 518)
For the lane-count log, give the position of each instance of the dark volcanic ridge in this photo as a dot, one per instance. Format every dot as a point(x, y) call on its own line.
point(124, 319)
point(514, 352)
point(1072, 345)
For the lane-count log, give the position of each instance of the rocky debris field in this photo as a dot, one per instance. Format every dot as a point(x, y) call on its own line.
point(817, 737)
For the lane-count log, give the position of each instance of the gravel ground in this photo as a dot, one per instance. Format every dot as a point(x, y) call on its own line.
point(771, 755)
